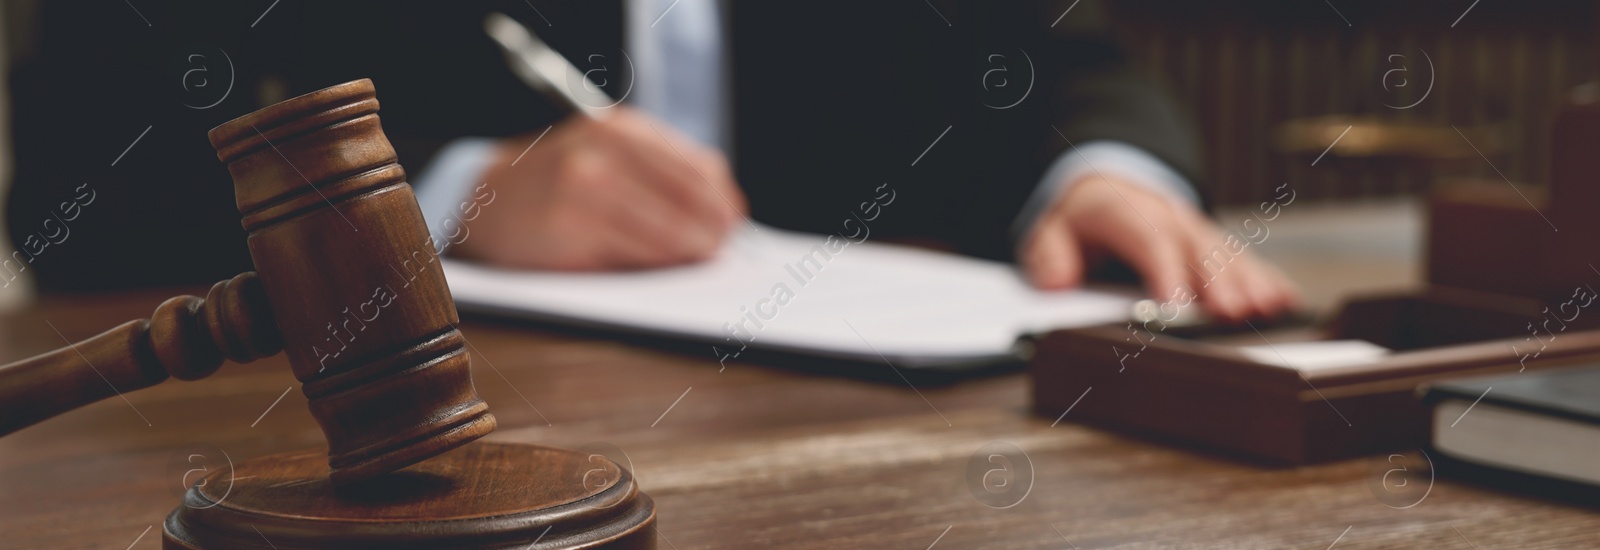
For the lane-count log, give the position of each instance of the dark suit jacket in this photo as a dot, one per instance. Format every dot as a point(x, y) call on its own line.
point(831, 99)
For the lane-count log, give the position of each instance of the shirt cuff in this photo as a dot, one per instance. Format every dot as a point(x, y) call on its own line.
point(445, 186)
point(1107, 158)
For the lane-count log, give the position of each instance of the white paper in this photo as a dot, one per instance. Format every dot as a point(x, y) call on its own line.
point(1317, 355)
point(910, 305)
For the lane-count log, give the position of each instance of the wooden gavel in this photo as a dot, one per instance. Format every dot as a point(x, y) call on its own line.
point(347, 284)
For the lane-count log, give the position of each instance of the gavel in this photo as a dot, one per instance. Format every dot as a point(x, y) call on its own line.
point(347, 284)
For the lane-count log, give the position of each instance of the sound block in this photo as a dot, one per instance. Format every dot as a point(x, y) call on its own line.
point(484, 495)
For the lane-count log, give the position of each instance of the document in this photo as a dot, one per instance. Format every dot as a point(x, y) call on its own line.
point(798, 292)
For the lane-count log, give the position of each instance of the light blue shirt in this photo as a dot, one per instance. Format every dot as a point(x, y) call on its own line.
point(677, 50)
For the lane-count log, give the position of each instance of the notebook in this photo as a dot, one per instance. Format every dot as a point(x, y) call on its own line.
point(1540, 423)
point(819, 295)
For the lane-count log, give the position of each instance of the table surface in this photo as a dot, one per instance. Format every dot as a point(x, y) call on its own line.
point(745, 457)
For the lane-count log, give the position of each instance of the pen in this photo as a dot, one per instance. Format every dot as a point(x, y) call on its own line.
point(538, 65)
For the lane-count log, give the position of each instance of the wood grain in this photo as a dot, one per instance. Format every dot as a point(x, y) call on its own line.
point(483, 496)
point(353, 280)
point(1211, 394)
point(751, 457)
point(186, 338)
point(338, 240)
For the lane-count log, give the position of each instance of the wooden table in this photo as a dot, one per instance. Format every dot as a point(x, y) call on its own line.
point(747, 457)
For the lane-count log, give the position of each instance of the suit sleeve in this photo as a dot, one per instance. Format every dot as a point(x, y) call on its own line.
point(1102, 94)
point(1085, 89)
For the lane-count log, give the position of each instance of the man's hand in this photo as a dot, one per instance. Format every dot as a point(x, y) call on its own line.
point(1169, 244)
point(621, 192)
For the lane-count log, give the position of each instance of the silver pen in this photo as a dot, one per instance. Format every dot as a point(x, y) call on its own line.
point(539, 66)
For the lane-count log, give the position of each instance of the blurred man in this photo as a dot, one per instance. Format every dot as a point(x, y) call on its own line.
point(1010, 130)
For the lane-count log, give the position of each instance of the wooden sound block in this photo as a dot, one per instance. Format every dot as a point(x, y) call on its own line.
point(485, 495)
point(1206, 392)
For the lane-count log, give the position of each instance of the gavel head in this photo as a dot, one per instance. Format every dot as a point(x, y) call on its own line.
point(353, 281)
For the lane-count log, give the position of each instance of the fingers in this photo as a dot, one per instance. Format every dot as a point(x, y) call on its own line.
point(1158, 260)
point(1174, 248)
point(651, 229)
point(624, 216)
point(631, 193)
point(1221, 287)
point(695, 177)
point(1271, 291)
point(719, 174)
point(1138, 230)
point(1051, 258)
point(1235, 284)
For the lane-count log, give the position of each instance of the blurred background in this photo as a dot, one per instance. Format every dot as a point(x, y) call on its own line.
point(1273, 83)
point(1412, 96)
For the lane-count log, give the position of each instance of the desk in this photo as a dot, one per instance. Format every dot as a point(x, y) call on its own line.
point(750, 457)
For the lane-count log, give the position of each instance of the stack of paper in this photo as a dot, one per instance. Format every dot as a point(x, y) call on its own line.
point(815, 294)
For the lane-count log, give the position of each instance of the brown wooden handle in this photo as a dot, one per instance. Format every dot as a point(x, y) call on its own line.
point(187, 338)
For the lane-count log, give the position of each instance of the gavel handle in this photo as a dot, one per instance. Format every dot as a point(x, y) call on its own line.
point(187, 338)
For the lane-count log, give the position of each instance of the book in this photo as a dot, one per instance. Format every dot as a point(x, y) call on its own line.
point(1541, 423)
point(818, 295)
